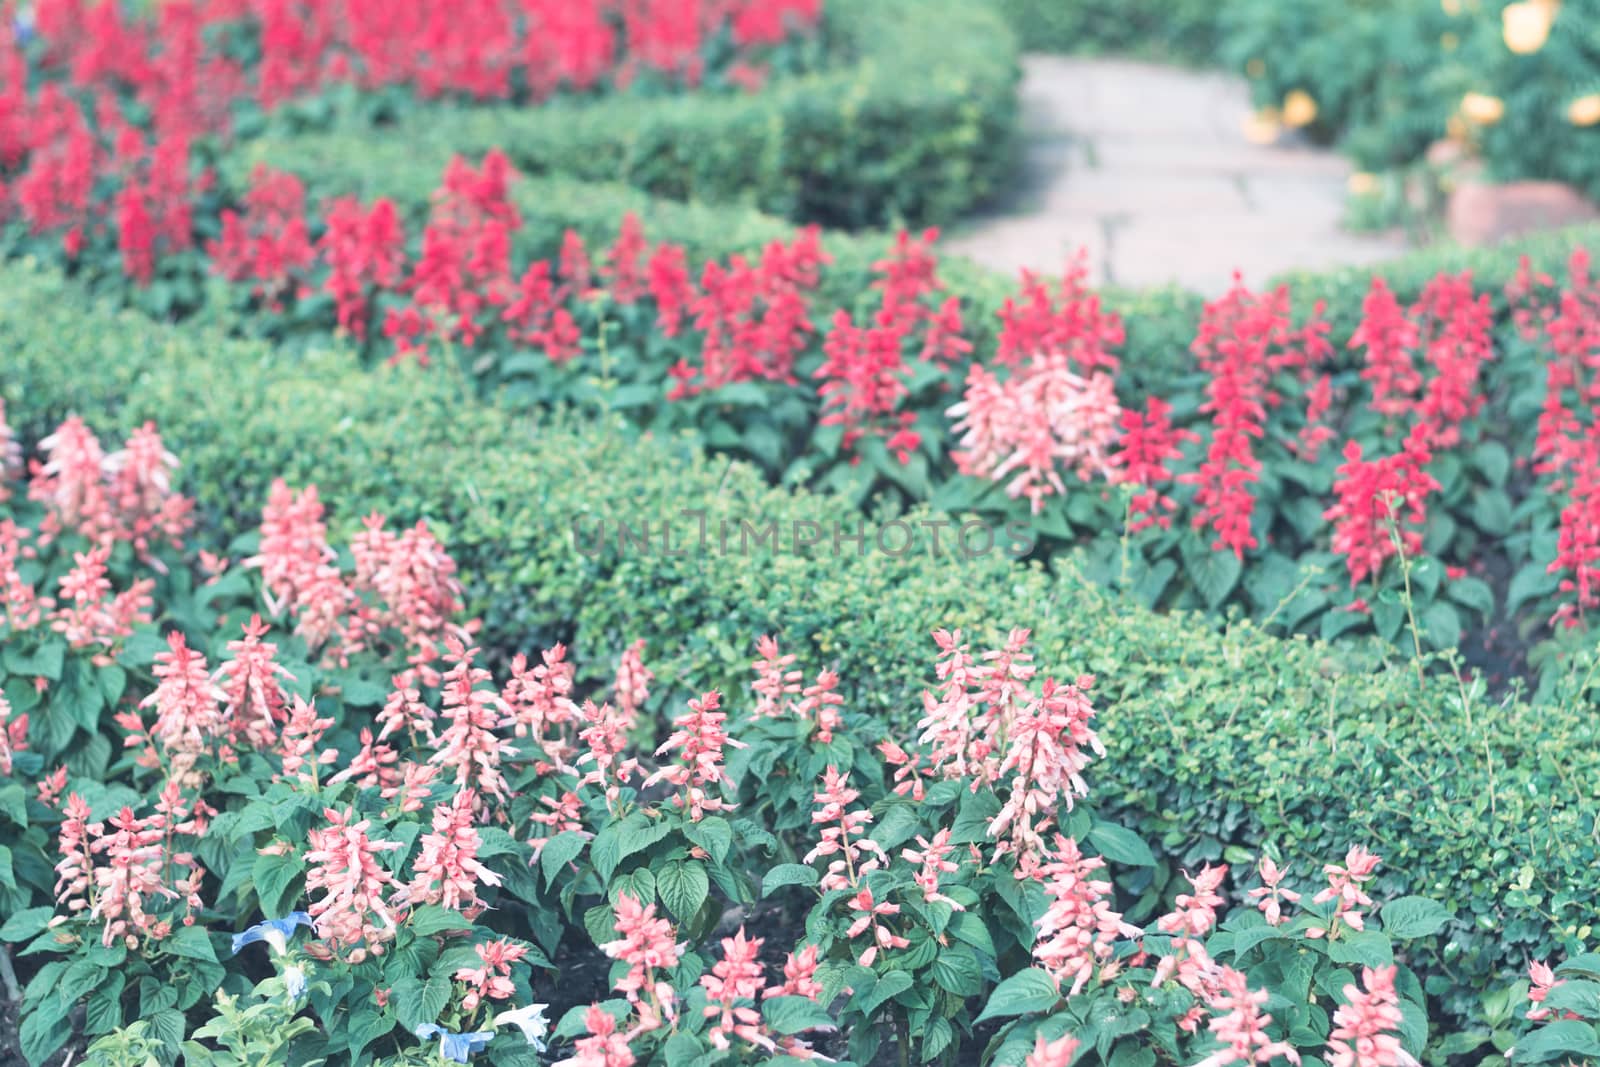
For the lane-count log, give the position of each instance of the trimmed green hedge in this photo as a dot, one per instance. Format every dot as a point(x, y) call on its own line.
point(1217, 740)
point(915, 122)
point(1182, 30)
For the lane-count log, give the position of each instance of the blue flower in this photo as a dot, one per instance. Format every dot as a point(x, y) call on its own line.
point(275, 932)
point(294, 980)
point(531, 1021)
point(458, 1048)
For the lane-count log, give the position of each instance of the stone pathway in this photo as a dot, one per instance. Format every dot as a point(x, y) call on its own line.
point(1147, 167)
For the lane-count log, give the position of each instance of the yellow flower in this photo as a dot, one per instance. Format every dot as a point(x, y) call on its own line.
point(1483, 109)
point(1455, 128)
point(1526, 25)
point(1362, 183)
point(1584, 111)
point(1299, 109)
point(1449, 42)
point(1256, 67)
point(1451, 7)
point(1263, 127)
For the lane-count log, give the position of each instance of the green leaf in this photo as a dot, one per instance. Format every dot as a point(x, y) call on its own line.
point(957, 971)
point(786, 874)
point(1585, 963)
point(1247, 939)
point(366, 1026)
point(44, 662)
point(1213, 572)
point(433, 919)
point(44, 1030)
point(1471, 593)
point(167, 1024)
point(1408, 917)
point(683, 887)
point(1491, 511)
point(792, 1015)
point(273, 875)
point(1369, 948)
point(417, 1002)
point(1121, 845)
point(1023, 993)
point(898, 825)
point(25, 924)
point(969, 928)
point(936, 1037)
point(1492, 459)
point(712, 834)
point(559, 851)
point(1441, 624)
point(887, 987)
point(1562, 1038)
point(1575, 995)
point(192, 943)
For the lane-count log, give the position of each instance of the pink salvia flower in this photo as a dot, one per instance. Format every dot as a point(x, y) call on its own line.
point(732, 988)
point(1057, 1053)
point(448, 871)
point(1344, 888)
point(1042, 420)
point(698, 740)
point(872, 911)
point(1078, 931)
point(1196, 912)
point(1542, 980)
point(933, 856)
point(13, 735)
point(775, 680)
point(253, 699)
point(632, 687)
point(140, 476)
point(351, 913)
point(491, 979)
point(1365, 1026)
point(405, 713)
point(820, 705)
point(605, 738)
point(844, 834)
point(1270, 896)
point(540, 704)
point(1240, 1024)
point(188, 706)
point(1048, 745)
point(413, 787)
point(299, 740)
point(468, 747)
point(70, 482)
point(604, 1047)
point(647, 946)
point(799, 976)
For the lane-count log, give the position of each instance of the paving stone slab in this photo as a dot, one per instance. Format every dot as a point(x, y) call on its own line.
point(1148, 168)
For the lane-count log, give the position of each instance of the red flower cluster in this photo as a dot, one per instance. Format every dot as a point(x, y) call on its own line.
point(1244, 338)
point(1377, 496)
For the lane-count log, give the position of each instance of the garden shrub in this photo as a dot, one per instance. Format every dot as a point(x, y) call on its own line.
point(1181, 30)
point(448, 844)
point(1217, 740)
point(913, 123)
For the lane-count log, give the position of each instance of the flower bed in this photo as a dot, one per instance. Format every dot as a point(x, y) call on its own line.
point(592, 702)
point(311, 739)
point(1241, 770)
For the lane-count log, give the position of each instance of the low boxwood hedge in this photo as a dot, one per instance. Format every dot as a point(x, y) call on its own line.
point(913, 121)
point(1181, 30)
point(1219, 740)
